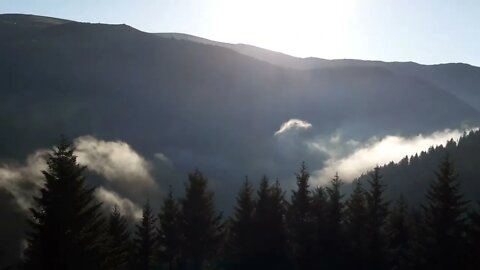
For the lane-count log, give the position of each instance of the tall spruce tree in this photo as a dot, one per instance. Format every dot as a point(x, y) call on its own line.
point(445, 221)
point(66, 225)
point(200, 223)
point(399, 235)
point(269, 228)
point(145, 240)
point(241, 241)
point(320, 234)
point(377, 212)
point(334, 217)
point(300, 221)
point(169, 234)
point(119, 244)
point(356, 224)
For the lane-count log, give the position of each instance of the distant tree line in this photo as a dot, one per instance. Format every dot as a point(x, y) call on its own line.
point(411, 174)
point(317, 228)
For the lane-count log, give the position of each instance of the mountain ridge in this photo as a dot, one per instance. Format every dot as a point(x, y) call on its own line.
point(178, 105)
point(204, 106)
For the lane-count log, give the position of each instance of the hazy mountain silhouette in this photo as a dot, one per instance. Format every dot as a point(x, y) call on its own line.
point(459, 79)
point(115, 81)
point(206, 104)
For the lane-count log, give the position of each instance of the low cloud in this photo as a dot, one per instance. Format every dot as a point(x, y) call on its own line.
point(125, 175)
point(162, 158)
point(362, 157)
point(117, 163)
point(24, 180)
point(111, 199)
point(293, 124)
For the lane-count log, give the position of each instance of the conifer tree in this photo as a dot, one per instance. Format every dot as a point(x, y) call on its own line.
point(169, 235)
point(300, 221)
point(399, 235)
point(319, 216)
point(269, 227)
point(334, 216)
point(201, 225)
point(445, 221)
point(356, 223)
point(377, 211)
point(119, 245)
point(145, 240)
point(66, 227)
point(241, 242)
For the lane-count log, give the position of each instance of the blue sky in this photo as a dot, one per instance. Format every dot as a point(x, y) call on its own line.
point(424, 31)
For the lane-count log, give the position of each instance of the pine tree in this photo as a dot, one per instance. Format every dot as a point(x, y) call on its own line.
point(66, 228)
point(145, 240)
point(300, 221)
point(356, 223)
point(445, 221)
point(119, 245)
point(399, 235)
point(269, 227)
point(241, 242)
point(319, 215)
point(377, 211)
point(169, 235)
point(334, 216)
point(201, 225)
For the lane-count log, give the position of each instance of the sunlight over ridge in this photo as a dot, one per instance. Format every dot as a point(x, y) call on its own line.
point(280, 25)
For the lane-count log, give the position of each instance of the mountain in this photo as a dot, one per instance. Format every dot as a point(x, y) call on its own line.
point(218, 106)
point(461, 80)
point(205, 104)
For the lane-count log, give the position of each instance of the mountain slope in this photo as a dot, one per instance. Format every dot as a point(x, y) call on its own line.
point(413, 175)
point(210, 106)
point(461, 80)
point(201, 105)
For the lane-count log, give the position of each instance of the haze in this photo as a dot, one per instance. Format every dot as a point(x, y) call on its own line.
point(428, 32)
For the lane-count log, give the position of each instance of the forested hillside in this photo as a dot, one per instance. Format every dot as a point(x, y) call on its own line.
point(314, 228)
point(165, 127)
point(412, 175)
point(199, 103)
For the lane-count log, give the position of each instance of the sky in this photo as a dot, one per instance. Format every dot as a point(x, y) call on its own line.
point(426, 31)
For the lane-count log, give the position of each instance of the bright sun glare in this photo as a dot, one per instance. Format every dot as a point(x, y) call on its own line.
point(300, 27)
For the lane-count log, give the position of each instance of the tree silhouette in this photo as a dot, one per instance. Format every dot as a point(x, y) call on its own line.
point(445, 217)
point(399, 235)
point(334, 215)
point(300, 221)
point(319, 216)
point(269, 227)
point(66, 227)
point(241, 242)
point(169, 235)
point(201, 225)
point(120, 246)
point(145, 240)
point(377, 211)
point(356, 226)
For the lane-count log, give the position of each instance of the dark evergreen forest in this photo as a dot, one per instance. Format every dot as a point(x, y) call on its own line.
point(307, 228)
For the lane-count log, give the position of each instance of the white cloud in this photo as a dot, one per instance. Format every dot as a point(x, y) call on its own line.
point(120, 166)
point(163, 159)
point(114, 160)
point(293, 124)
point(377, 151)
point(23, 181)
point(125, 206)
